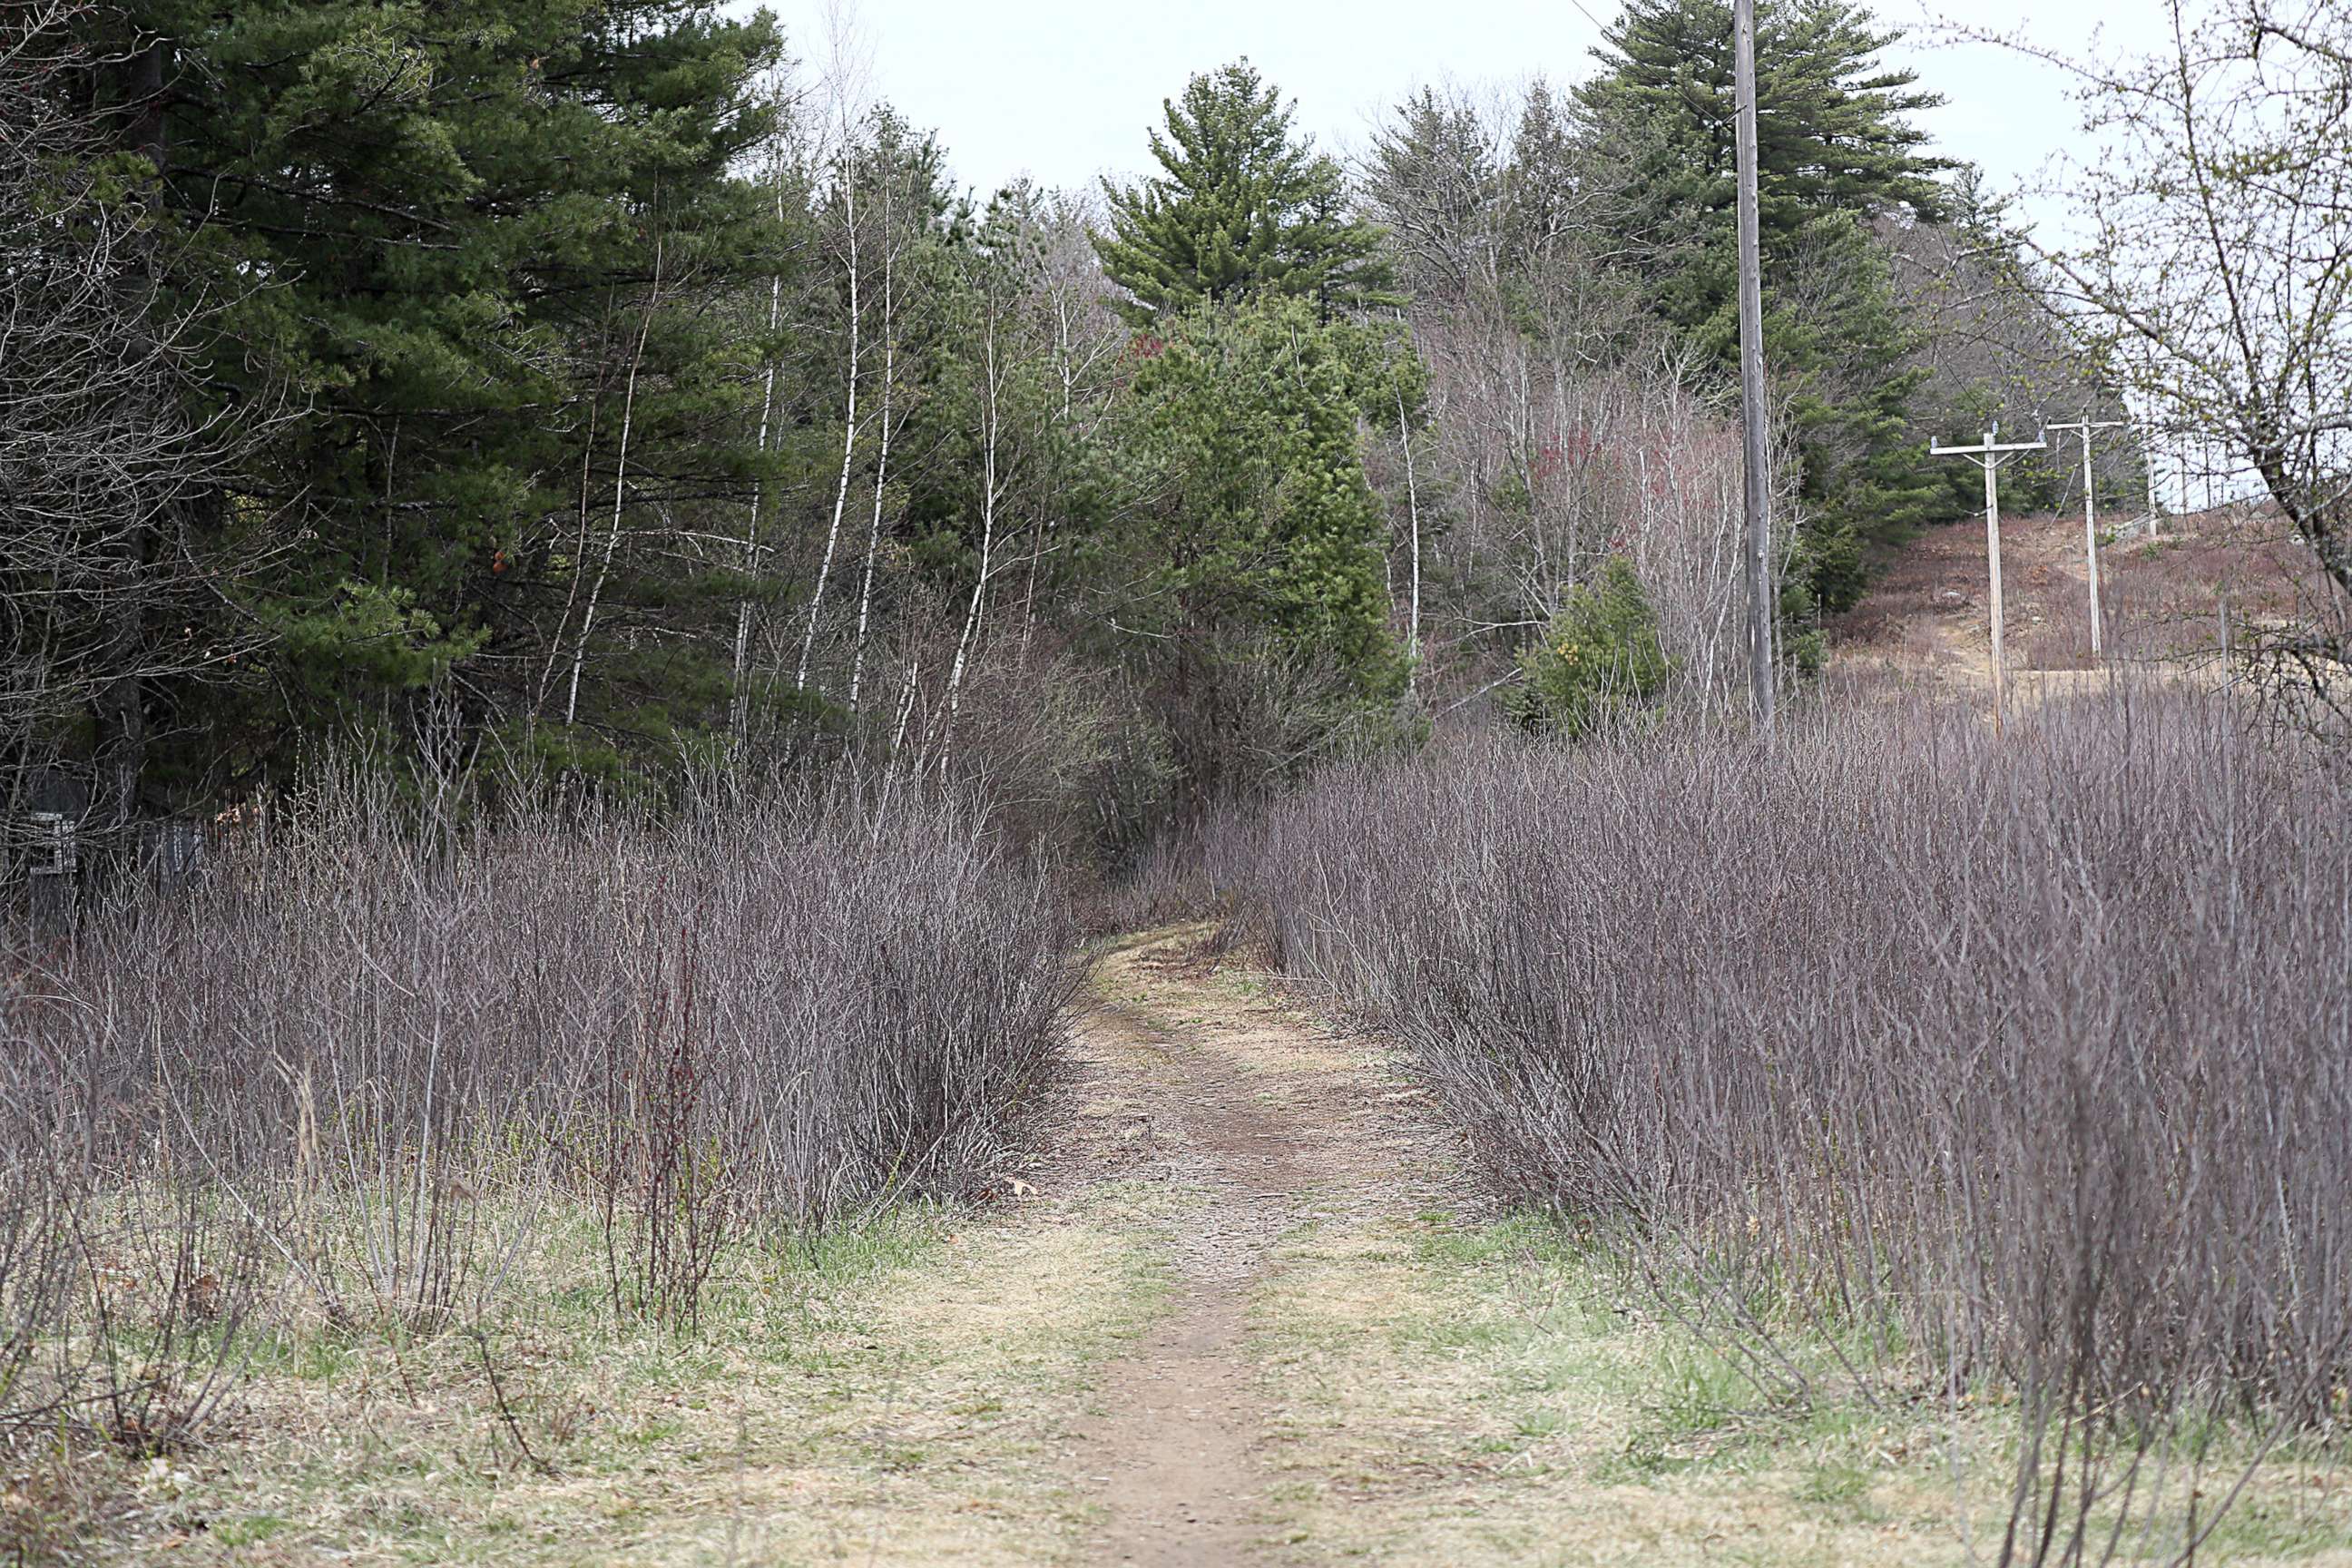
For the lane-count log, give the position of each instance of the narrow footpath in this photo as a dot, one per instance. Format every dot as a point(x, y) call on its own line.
point(1234, 1300)
point(1268, 1128)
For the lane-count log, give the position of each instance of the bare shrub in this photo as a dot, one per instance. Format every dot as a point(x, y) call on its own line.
point(1543, 469)
point(2021, 1067)
point(119, 546)
point(351, 1073)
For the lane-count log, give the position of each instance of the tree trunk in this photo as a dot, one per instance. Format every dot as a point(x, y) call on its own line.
point(1413, 510)
point(740, 714)
point(882, 453)
point(848, 441)
point(988, 423)
point(619, 492)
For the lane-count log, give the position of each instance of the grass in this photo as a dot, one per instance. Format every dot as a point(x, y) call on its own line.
point(1444, 1385)
point(901, 1388)
point(2013, 1061)
point(1494, 1392)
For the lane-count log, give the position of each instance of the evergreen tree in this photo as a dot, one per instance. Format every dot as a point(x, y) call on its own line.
point(1242, 206)
point(1255, 537)
point(1835, 148)
point(481, 246)
point(1598, 659)
point(1832, 134)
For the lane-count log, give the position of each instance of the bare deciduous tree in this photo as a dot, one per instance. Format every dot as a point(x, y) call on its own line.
point(2217, 256)
point(121, 533)
point(1561, 427)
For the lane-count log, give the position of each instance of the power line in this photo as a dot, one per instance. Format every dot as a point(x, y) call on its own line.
point(1590, 16)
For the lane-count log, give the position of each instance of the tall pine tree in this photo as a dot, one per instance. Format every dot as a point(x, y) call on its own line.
point(1836, 147)
point(1255, 604)
point(490, 250)
point(1241, 206)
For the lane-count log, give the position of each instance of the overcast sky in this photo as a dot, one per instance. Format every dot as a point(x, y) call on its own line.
point(1063, 90)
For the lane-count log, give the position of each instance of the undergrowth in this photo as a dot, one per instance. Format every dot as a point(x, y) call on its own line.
point(350, 1081)
point(1910, 1063)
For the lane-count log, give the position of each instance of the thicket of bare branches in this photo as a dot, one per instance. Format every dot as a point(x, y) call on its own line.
point(1563, 427)
point(117, 541)
point(364, 1069)
point(2019, 1068)
point(2216, 266)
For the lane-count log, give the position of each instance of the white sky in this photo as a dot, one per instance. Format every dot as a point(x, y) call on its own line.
point(1063, 90)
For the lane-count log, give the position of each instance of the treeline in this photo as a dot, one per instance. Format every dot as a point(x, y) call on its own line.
point(591, 388)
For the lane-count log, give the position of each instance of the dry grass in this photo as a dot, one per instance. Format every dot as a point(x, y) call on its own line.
point(1493, 1394)
point(2162, 598)
point(1440, 1385)
point(896, 1392)
point(2014, 1064)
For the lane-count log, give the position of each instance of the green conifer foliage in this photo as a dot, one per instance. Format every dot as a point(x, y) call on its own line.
point(455, 233)
point(1241, 206)
point(1254, 540)
point(1598, 659)
point(1248, 419)
point(1836, 147)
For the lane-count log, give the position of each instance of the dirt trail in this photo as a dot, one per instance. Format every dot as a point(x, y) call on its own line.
point(1233, 1304)
point(1266, 1126)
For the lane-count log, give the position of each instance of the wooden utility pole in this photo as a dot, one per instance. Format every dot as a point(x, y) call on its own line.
point(1757, 496)
point(2090, 514)
point(1987, 456)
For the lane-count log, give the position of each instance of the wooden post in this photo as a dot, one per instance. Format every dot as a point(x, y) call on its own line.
point(1987, 456)
point(1993, 554)
point(2091, 539)
point(2091, 514)
point(1756, 498)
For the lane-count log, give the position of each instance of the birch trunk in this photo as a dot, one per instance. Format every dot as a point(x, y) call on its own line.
point(619, 492)
point(848, 444)
point(882, 454)
point(873, 531)
point(1413, 510)
point(580, 550)
point(739, 717)
point(988, 423)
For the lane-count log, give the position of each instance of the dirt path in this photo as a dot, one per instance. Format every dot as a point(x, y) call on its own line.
point(1356, 1357)
point(1266, 1126)
point(1233, 1305)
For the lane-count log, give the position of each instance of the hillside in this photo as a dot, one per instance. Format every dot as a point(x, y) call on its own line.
point(2163, 594)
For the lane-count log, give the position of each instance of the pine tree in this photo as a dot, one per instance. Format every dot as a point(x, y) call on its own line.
point(1835, 150)
point(1831, 129)
point(479, 248)
point(1242, 206)
point(1255, 535)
